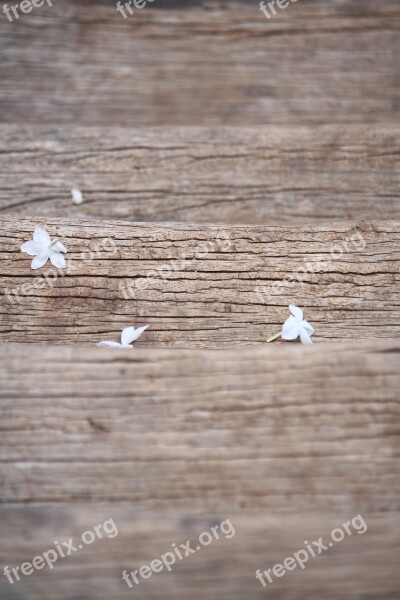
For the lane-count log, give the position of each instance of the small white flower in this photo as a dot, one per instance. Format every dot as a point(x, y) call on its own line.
point(43, 249)
point(128, 335)
point(77, 197)
point(295, 326)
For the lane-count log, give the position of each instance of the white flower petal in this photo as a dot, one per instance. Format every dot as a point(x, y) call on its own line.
point(41, 236)
point(59, 247)
point(296, 312)
point(127, 335)
point(307, 327)
point(130, 334)
point(77, 197)
point(290, 329)
point(41, 259)
point(57, 259)
point(109, 345)
point(32, 248)
point(305, 338)
point(139, 332)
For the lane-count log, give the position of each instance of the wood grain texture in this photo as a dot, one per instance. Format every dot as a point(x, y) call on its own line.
point(316, 62)
point(279, 429)
point(200, 285)
point(286, 442)
point(360, 567)
point(269, 175)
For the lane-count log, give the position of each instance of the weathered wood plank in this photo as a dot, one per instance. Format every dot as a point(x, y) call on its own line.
point(280, 429)
point(200, 285)
point(217, 63)
point(361, 566)
point(268, 175)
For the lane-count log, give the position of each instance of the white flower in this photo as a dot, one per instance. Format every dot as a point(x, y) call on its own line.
point(295, 326)
point(42, 248)
point(128, 335)
point(77, 197)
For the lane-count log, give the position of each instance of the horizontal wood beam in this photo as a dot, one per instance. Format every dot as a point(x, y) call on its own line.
point(269, 175)
point(280, 429)
point(200, 285)
point(315, 62)
point(361, 566)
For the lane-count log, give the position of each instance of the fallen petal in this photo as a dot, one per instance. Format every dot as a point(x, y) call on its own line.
point(127, 335)
point(41, 236)
point(290, 329)
point(57, 259)
point(41, 259)
point(138, 333)
point(296, 312)
point(305, 338)
point(307, 327)
point(77, 197)
point(59, 247)
point(32, 248)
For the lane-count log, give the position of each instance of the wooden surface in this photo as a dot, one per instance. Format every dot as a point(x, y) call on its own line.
point(274, 428)
point(290, 145)
point(317, 62)
point(228, 294)
point(286, 442)
point(361, 566)
point(269, 175)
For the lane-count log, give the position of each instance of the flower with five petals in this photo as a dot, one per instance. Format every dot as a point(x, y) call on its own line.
point(43, 249)
point(294, 327)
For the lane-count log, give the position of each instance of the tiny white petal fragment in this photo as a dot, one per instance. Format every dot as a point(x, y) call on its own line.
point(43, 249)
point(295, 326)
point(128, 335)
point(77, 197)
